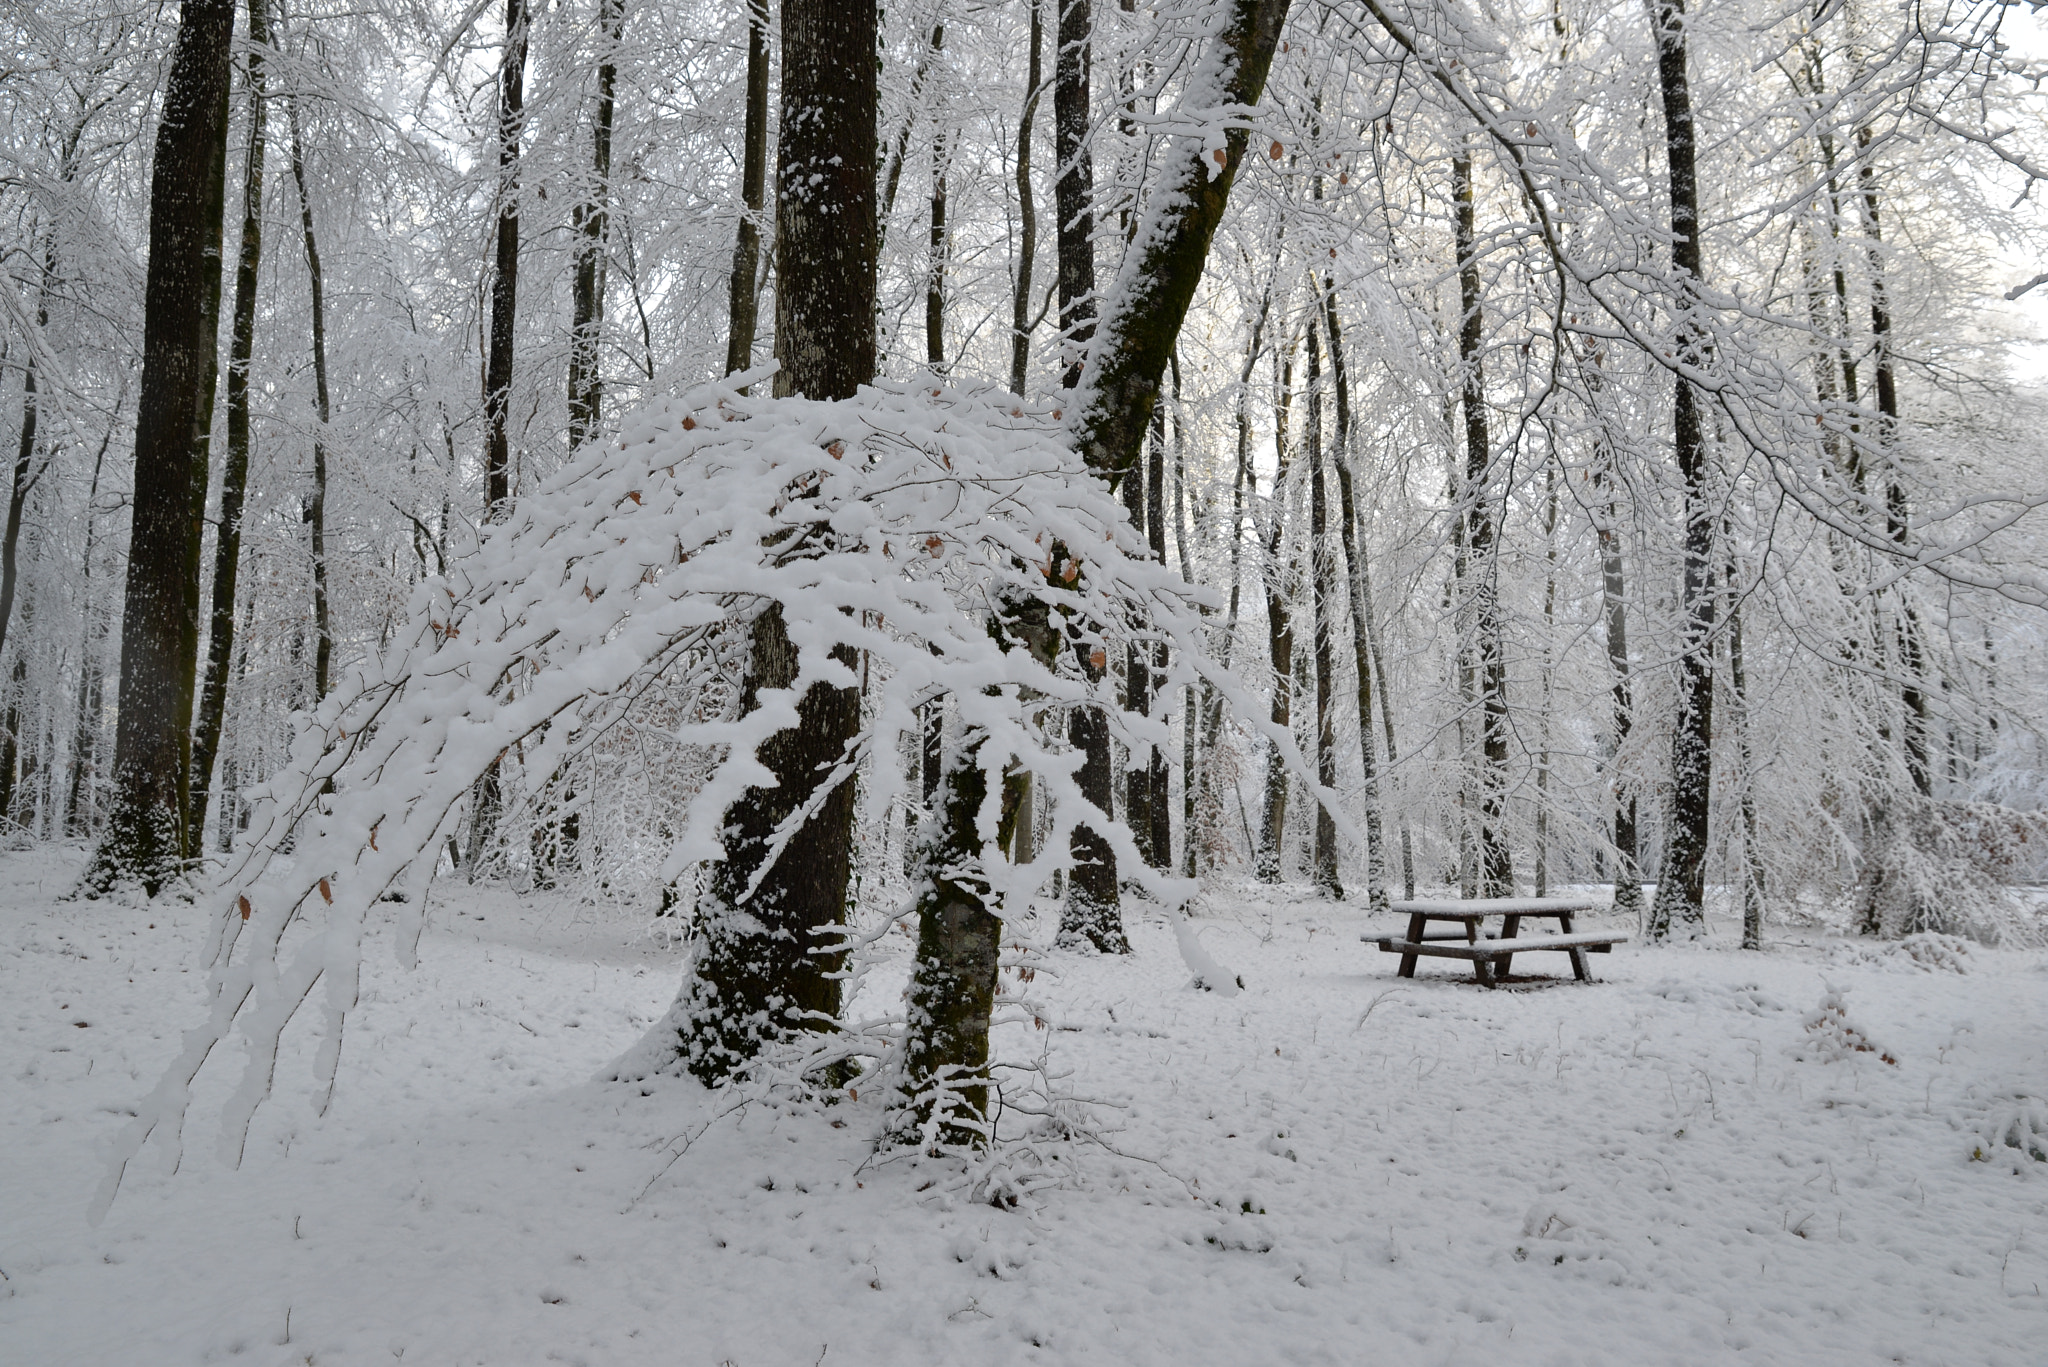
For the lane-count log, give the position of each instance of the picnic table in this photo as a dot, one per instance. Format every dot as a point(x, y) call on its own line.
point(1491, 952)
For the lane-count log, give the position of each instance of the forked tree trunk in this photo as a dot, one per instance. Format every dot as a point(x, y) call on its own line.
point(1682, 877)
point(147, 834)
point(234, 477)
point(768, 963)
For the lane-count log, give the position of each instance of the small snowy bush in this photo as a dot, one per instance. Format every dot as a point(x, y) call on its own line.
point(1832, 1036)
point(2014, 1129)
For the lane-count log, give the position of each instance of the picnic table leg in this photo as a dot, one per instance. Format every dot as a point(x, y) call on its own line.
point(1578, 956)
point(1415, 924)
point(1483, 968)
point(1511, 926)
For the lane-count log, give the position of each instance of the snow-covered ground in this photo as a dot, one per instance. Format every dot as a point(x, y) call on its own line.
point(1335, 1166)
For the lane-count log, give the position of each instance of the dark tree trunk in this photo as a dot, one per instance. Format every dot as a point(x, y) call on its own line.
point(315, 506)
point(505, 269)
point(935, 259)
point(1027, 210)
point(147, 836)
point(591, 217)
point(1074, 190)
point(1159, 843)
point(1138, 699)
point(1186, 203)
point(768, 962)
point(1496, 865)
point(234, 478)
point(1682, 877)
point(1279, 633)
point(1322, 573)
point(1361, 636)
point(1912, 692)
point(744, 298)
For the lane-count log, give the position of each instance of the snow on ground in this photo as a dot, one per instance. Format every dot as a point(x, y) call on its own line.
point(1336, 1166)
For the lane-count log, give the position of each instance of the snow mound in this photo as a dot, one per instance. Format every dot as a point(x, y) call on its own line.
point(1930, 951)
point(1745, 997)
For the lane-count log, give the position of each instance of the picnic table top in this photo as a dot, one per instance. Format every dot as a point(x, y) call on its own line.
point(1478, 908)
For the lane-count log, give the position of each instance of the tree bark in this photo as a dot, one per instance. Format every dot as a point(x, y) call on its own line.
point(1279, 632)
point(147, 836)
point(1361, 636)
point(1322, 575)
point(1074, 190)
point(1165, 261)
point(768, 962)
point(505, 268)
point(1628, 883)
point(935, 258)
point(590, 220)
point(744, 299)
point(234, 478)
point(315, 507)
point(1681, 882)
point(1496, 865)
point(1027, 210)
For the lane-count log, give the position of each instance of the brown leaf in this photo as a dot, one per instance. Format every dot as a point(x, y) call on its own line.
point(1276, 151)
point(326, 893)
point(243, 904)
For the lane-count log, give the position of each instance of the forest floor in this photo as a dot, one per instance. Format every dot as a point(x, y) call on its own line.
point(1335, 1166)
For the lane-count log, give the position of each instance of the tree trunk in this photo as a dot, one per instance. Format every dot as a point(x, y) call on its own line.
point(315, 508)
point(953, 985)
point(80, 818)
point(147, 836)
point(1352, 537)
point(1542, 888)
point(1681, 880)
point(234, 478)
point(1159, 843)
point(1628, 883)
point(935, 253)
point(1138, 699)
point(1738, 697)
point(1279, 633)
point(1496, 865)
point(744, 299)
point(768, 962)
point(1912, 691)
point(591, 217)
point(505, 270)
point(1322, 574)
point(1164, 263)
point(1074, 190)
point(1027, 210)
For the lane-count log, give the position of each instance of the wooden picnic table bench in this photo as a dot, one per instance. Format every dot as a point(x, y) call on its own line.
point(1491, 953)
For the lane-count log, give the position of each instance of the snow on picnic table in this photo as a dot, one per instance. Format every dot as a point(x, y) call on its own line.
point(1336, 1166)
